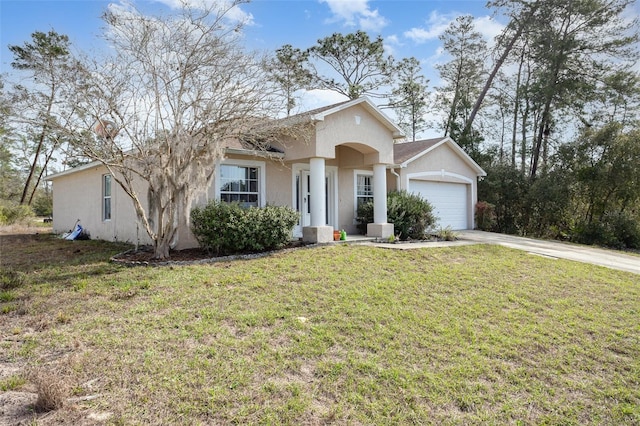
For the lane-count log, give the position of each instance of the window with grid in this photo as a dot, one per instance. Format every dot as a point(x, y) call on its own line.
point(239, 183)
point(364, 189)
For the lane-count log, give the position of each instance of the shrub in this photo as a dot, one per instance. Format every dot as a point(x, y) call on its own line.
point(410, 214)
point(226, 228)
point(11, 213)
point(617, 230)
point(446, 234)
point(485, 216)
point(43, 205)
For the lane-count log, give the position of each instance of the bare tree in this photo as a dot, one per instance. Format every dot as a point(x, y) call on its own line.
point(163, 106)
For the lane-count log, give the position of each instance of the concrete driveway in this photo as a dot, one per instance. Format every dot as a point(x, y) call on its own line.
point(555, 249)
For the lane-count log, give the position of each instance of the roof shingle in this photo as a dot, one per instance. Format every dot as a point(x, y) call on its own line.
point(406, 150)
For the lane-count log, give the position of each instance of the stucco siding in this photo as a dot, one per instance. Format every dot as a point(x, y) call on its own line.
point(79, 196)
point(441, 158)
point(278, 185)
point(355, 125)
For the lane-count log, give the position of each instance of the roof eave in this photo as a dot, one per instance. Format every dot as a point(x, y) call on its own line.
point(255, 153)
point(73, 170)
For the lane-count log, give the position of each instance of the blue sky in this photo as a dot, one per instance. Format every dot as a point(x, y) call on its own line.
point(409, 27)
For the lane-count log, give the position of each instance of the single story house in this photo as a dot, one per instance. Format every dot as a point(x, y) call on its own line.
point(354, 155)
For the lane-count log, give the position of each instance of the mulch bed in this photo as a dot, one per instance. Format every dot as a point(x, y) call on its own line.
point(144, 256)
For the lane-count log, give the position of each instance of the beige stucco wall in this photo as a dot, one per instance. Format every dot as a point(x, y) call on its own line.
point(355, 126)
point(78, 196)
point(370, 137)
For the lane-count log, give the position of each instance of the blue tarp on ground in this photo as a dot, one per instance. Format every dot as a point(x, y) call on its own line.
point(75, 234)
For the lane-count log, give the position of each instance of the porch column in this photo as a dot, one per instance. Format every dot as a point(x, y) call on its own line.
point(317, 193)
point(318, 232)
point(380, 228)
point(379, 193)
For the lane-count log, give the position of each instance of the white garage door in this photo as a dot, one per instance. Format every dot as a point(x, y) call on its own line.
point(449, 201)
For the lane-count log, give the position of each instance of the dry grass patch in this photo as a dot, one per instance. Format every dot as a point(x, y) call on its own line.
point(51, 388)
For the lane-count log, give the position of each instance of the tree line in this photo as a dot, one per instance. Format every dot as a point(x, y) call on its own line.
point(549, 110)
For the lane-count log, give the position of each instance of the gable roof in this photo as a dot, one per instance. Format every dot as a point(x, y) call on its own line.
point(319, 114)
point(406, 152)
point(365, 102)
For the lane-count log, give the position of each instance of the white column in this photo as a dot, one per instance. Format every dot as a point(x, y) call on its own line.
point(379, 193)
point(317, 192)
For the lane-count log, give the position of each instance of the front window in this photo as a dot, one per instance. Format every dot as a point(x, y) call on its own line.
point(364, 189)
point(106, 197)
point(240, 184)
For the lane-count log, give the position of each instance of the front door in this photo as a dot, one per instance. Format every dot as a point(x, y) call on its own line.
point(303, 198)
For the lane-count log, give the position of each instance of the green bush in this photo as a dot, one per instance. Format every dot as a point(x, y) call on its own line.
point(227, 228)
point(617, 230)
point(410, 214)
point(43, 205)
point(11, 213)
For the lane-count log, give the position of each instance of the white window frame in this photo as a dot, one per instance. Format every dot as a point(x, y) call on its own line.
point(357, 173)
point(262, 177)
point(107, 197)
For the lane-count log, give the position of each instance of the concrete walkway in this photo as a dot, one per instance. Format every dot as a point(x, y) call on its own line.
point(553, 249)
point(556, 249)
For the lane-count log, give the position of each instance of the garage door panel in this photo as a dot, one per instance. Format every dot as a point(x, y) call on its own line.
point(449, 201)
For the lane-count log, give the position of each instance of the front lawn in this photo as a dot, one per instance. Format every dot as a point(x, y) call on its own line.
point(345, 334)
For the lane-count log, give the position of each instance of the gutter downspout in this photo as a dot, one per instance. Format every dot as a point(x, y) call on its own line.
point(393, 172)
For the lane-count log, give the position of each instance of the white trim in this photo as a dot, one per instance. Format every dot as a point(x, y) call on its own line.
point(254, 153)
point(103, 182)
point(74, 170)
point(439, 173)
point(332, 174)
point(262, 173)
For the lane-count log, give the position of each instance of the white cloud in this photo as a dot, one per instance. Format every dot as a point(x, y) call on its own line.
point(317, 98)
point(489, 28)
point(233, 14)
point(436, 25)
point(356, 13)
point(391, 42)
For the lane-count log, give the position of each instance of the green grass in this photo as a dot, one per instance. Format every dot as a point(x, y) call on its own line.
point(344, 334)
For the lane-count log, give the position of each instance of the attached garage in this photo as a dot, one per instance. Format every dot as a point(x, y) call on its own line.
point(449, 201)
point(443, 174)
